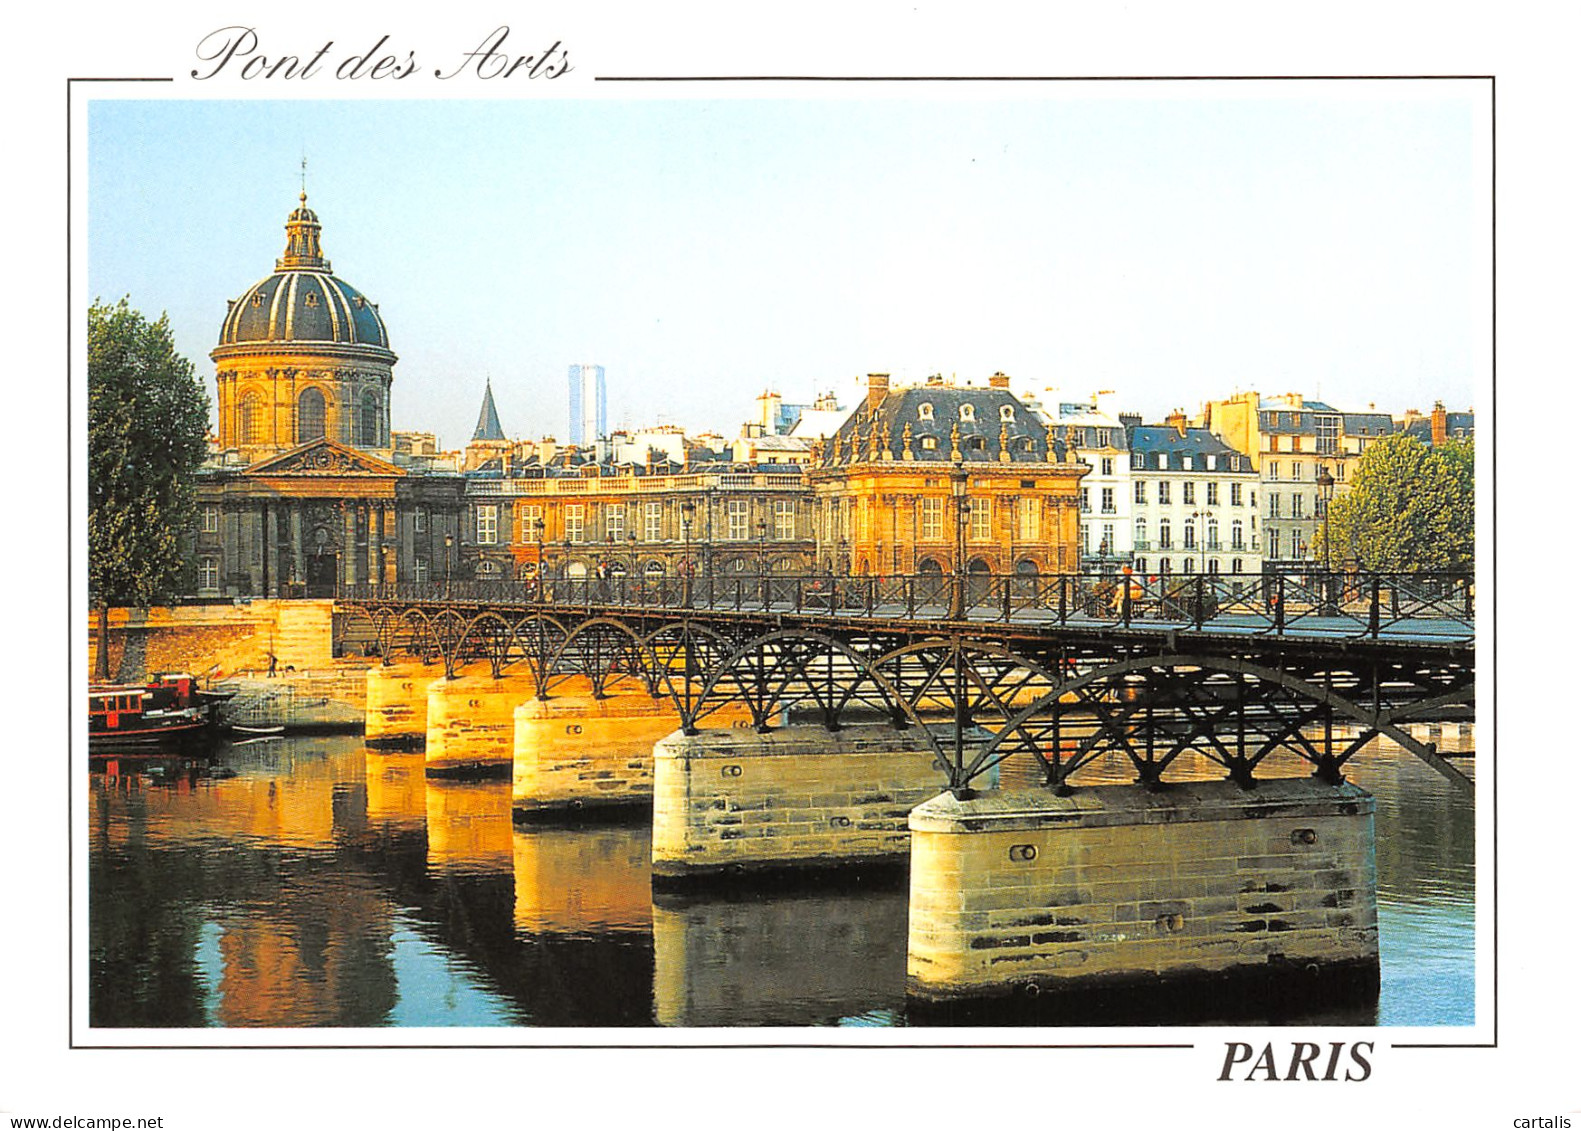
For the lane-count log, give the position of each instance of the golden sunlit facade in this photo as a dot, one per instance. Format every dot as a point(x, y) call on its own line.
point(939, 477)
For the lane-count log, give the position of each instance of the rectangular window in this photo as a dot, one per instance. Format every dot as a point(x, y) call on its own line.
point(736, 520)
point(1086, 502)
point(420, 521)
point(211, 520)
point(1107, 464)
point(784, 519)
point(1295, 505)
point(932, 520)
point(1164, 538)
point(488, 515)
point(1273, 504)
point(981, 518)
point(1235, 494)
point(1188, 493)
point(1273, 470)
point(614, 522)
point(653, 522)
point(532, 522)
point(1213, 494)
point(1163, 490)
point(209, 574)
point(1327, 434)
point(1141, 491)
point(1237, 536)
point(420, 571)
point(1107, 545)
point(1273, 543)
point(575, 516)
point(1108, 500)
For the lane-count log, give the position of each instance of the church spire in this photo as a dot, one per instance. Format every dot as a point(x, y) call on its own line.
point(488, 420)
point(302, 250)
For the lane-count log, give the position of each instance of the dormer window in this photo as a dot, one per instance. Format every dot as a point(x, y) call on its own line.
point(924, 411)
point(257, 300)
point(311, 298)
point(968, 413)
point(1007, 413)
point(930, 443)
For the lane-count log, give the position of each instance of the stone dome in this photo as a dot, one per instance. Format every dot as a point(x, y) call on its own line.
point(302, 303)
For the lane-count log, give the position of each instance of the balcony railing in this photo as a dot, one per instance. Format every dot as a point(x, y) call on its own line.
point(1435, 607)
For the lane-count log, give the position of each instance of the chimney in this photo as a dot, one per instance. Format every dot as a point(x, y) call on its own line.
point(1440, 423)
point(1177, 421)
point(999, 381)
point(935, 379)
point(877, 390)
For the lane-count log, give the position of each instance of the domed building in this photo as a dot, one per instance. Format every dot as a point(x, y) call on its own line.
point(306, 495)
point(303, 355)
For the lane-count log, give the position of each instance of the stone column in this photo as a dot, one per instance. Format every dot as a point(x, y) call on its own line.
point(255, 552)
point(375, 532)
point(389, 534)
point(271, 553)
point(298, 560)
point(348, 520)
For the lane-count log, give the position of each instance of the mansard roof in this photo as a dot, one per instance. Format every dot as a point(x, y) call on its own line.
point(970, 423)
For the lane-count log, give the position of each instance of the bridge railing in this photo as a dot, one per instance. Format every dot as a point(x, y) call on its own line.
point(1331, 603)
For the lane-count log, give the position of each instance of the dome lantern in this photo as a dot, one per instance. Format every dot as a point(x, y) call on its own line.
point(302, 250)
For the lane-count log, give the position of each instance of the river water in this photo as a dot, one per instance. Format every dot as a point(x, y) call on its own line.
point(309, 881)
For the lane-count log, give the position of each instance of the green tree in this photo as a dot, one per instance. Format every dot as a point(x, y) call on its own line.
point(147, 422)
point(1410, 507)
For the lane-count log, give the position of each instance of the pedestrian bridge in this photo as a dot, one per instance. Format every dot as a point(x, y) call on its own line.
point(1063, 668)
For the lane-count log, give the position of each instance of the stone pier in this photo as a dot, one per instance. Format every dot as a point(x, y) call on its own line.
point(727, 802)
point(576, 753)
point(396, 714)
point(1116, 888)
point(471, 726)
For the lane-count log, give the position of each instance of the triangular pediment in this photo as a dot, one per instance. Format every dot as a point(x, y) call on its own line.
point(323, 457)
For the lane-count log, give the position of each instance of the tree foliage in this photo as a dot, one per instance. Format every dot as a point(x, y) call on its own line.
point(1410, 506)
point(147, 423)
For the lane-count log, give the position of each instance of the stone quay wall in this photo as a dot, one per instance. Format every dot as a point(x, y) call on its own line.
point(1115, 886)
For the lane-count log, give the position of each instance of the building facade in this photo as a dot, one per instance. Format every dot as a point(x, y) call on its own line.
point(1305, 453)
point(940, 478)
point(1100, 439)
point(1193, 502)
point(305, 492)
point(602, 520)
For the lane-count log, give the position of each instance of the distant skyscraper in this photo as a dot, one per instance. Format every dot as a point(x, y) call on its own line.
point(589, 409)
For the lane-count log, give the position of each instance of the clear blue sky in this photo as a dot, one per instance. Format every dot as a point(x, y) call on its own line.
point(1325, 239)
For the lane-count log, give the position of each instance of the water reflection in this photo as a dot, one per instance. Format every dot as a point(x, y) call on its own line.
point(311, 882)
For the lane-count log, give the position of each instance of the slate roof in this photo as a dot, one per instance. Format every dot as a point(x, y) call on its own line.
point(936, 411)
point(1147, 441)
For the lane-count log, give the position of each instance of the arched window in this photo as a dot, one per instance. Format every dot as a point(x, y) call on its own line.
point(930, 568)
point(968, 413)
point(924, 411)
point(371, 430)
point(1007, 413)
point(309, 416)
point(249, 420)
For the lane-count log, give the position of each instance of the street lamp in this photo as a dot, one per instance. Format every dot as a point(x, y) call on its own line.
point(536, 525)
point(450, 542)
point(1202, 535)
point(1325, 483)
point(962, 509)
point(688, 509)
